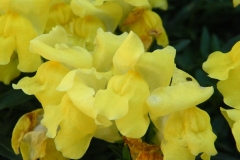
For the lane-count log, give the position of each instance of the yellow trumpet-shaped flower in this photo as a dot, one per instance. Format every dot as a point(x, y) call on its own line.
point(226, 68)
point(188, 133)
point(30, 136)
point(124, 102)
point(147, 25)
point(43, 85)
point(21, 21)
point(16, 32)
point(233, 118)
point(184, 130)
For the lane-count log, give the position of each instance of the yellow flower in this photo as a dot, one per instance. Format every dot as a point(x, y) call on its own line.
point(227, 70)
point(21, 21)
point(108, 12)
point(233, 118)
point(59, 14)
point(147, 25)
point(85, 102)
point(9, 71)
point(43, 85)
point(16, 32)
point(236, 3)
point(162, 4)
point(184, 130)
point(29, 136)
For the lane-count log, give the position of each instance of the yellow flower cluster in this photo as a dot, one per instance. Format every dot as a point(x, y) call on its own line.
point(23, 20)
point(98, 84)
point(226, 68)
point(114, 89)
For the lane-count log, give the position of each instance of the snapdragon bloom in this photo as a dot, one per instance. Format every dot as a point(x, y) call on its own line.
point(226, 68)
point(111, 90)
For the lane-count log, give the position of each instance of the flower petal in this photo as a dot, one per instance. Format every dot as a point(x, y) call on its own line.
point(236, 131)
point(61, 52)
point(230, 88)
point(219, 64)
point(43, 85)
point(166, 100)
point(109, 12)
point(71, 121)
point(103, 54)
point(128, 53)
point(9, 72)
point(157, 67)
point(191, 129)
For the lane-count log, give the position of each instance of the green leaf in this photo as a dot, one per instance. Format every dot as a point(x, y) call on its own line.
point(12, 98)
point(227, 47)
point(6, 149)
point(215, 43)
point(116, 150)
point(126, 153)
point(182, 45)
point(205, 42)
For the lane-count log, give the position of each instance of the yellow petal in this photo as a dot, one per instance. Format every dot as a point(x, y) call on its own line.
point(135, 123)
point(236, 131)
point(225, 114)
point(236, 3)
point(124, 101)
point(110, 104)
point(166, 100)
point(157, 67)
point(16, 33)
point(61, 53)
point(233, 118)
point(66, 119)
point(128, 53)
point(109, 134)
point(173, 150)
point(103, 54)
point(219, 64)
point(191, 129)
point(36, 11)
point(138, 3)
point(59, 14)
point(162, 4)
point(9, 72)
point(230, 88)
point(109, 12)
point(51, 152)
point(180, 76)
point(43, 85)
point(147, 25)
point(98, 80)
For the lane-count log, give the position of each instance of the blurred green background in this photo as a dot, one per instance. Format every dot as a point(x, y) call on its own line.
point(195, 28)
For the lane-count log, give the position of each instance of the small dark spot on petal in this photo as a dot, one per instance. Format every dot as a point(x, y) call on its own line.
point(189, 79)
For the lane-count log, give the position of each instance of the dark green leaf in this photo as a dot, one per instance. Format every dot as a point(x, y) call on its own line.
point(227, 47)
point(12, 98)
point(126, 153)
point(116, 150)
point(215, 43)
point(182, 45)
point(6, 149)
point(205, 42)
